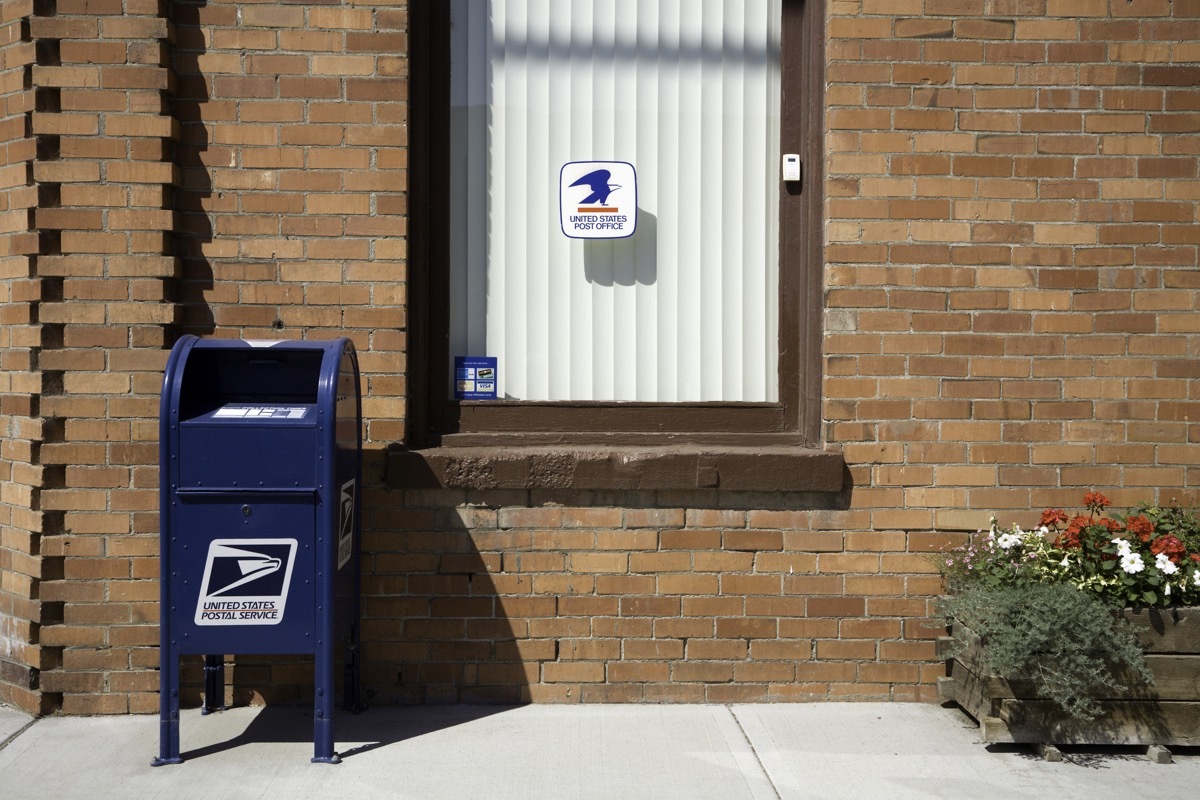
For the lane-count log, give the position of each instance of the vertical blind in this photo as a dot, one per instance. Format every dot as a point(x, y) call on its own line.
point(687, 91)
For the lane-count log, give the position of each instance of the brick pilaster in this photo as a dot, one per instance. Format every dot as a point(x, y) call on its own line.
point(104, 174)
point(21, 565)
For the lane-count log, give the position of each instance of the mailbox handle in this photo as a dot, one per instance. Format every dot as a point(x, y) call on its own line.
point(259, 493)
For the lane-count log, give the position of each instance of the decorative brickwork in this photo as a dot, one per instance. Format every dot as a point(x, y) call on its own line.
point(1012, 288)
point(21, 431)
point(104, 220)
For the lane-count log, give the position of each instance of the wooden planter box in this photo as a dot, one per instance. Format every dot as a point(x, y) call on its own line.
point(1166, 712)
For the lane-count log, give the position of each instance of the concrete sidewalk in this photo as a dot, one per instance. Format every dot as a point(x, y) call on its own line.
point(820, 750)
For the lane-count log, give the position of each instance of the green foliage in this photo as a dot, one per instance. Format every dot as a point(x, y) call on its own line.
point(1173, 519)
point(1069, 643)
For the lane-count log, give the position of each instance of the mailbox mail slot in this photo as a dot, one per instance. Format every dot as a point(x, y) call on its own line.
point(260, 455)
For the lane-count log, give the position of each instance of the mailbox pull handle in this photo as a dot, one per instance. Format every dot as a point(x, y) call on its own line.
point(259, 493)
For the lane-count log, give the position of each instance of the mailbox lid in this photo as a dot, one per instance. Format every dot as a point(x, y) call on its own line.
point(246, 413)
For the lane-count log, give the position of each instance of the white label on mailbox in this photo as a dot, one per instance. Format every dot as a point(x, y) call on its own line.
point(346, 524)
point(246, 582)
point(260, 412)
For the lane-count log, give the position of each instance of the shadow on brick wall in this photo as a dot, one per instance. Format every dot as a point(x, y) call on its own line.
point(594, 596)
point(195, 158)
point(438, 605)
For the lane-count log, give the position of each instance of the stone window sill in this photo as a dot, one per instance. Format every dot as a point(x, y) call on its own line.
point(670, 466)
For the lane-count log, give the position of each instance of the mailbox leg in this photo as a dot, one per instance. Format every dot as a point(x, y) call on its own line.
point(168, 710)
point(352, 700)
point(323, 752)
point(214, 684)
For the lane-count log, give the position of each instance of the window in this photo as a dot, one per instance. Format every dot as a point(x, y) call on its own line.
point(702, 326)
point(678, 300)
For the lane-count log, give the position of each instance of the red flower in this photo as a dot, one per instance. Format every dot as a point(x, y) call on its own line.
point(1096, 502)
point(1069, 540)
point(1072, 537)
point(1051, 517)
point(1170, 545)
point(1140, 527)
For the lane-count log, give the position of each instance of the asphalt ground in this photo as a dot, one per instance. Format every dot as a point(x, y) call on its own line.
point(690, 752)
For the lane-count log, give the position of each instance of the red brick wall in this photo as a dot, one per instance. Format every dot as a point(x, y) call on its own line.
point(1011, 319)
point(292, 177)
point(1012, 253)
point(642, 597)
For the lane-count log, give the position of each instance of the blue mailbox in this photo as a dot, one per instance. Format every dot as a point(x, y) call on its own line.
point(260, 472)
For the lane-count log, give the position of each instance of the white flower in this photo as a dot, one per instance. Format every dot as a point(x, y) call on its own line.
point(1196, 577)
point(1065, 562)
point(1008, 540)
point(1132, 562)
point(1165, 565)
point(1167, 589)
point(1123, 548)
point(1044, 531)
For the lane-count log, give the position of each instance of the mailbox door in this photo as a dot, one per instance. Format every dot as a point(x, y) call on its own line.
point(242, 574)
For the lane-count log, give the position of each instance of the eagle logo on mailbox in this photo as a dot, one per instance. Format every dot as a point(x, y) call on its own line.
point(346, 524)
point(246, 582)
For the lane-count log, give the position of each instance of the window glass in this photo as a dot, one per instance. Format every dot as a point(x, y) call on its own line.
point(653, 123)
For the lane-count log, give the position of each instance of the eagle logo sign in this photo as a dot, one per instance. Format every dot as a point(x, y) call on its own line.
point(598, 182)
point(598, 199)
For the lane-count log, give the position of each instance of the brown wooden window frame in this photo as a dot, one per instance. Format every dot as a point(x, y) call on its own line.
point(435, 421)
